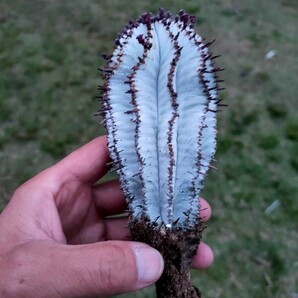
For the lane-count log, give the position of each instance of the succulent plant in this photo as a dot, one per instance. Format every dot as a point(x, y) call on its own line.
point(159, 102)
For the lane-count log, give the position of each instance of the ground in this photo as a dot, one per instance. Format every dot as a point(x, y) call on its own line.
point(49, 54)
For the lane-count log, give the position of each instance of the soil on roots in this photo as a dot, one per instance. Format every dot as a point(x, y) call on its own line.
point(177, 247)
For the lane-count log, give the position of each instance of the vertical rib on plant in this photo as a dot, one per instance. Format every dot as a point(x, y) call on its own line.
point(159, 102)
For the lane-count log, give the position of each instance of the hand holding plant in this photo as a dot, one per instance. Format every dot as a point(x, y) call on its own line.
point(56, 239)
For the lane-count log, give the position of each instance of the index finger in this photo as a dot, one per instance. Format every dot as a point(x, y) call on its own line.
point(86, 164)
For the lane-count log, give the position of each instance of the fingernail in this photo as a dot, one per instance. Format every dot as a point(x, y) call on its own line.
point(150, 265)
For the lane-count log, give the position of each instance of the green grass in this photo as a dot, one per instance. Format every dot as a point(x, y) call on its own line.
point(49, 54)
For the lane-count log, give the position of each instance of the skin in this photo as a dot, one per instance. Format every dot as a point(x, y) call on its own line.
point(57, 239)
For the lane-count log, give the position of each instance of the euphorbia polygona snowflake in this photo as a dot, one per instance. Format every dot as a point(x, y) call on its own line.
point(159, 102)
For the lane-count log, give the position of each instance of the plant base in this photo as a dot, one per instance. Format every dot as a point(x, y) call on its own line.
point(177, 247)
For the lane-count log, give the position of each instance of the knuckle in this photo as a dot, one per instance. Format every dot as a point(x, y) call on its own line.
point(12, 279)
point(117, 271)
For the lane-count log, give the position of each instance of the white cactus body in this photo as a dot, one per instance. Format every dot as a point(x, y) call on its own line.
point(159, 104)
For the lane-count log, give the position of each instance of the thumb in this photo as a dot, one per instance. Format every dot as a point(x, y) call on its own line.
point(111, 267)
point(99, 269)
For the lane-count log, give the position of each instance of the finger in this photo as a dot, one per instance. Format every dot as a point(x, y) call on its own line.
point(117, 228)
point(100, 269)
point(109, 198)
point(205, 210)
point(204, 257)
point(85, 165)
point(88, 163)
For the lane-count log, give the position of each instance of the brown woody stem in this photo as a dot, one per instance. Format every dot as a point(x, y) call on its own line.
point(177, 247)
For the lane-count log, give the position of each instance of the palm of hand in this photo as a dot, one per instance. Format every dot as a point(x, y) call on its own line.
point(63, 204)
point(83, 219)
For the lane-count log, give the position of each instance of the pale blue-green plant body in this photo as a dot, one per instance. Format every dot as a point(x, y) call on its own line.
point(160, 101)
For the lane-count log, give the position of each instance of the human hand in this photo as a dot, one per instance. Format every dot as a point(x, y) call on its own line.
point(57, 242)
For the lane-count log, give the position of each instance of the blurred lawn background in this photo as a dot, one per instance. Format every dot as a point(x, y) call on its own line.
point(49, 54)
